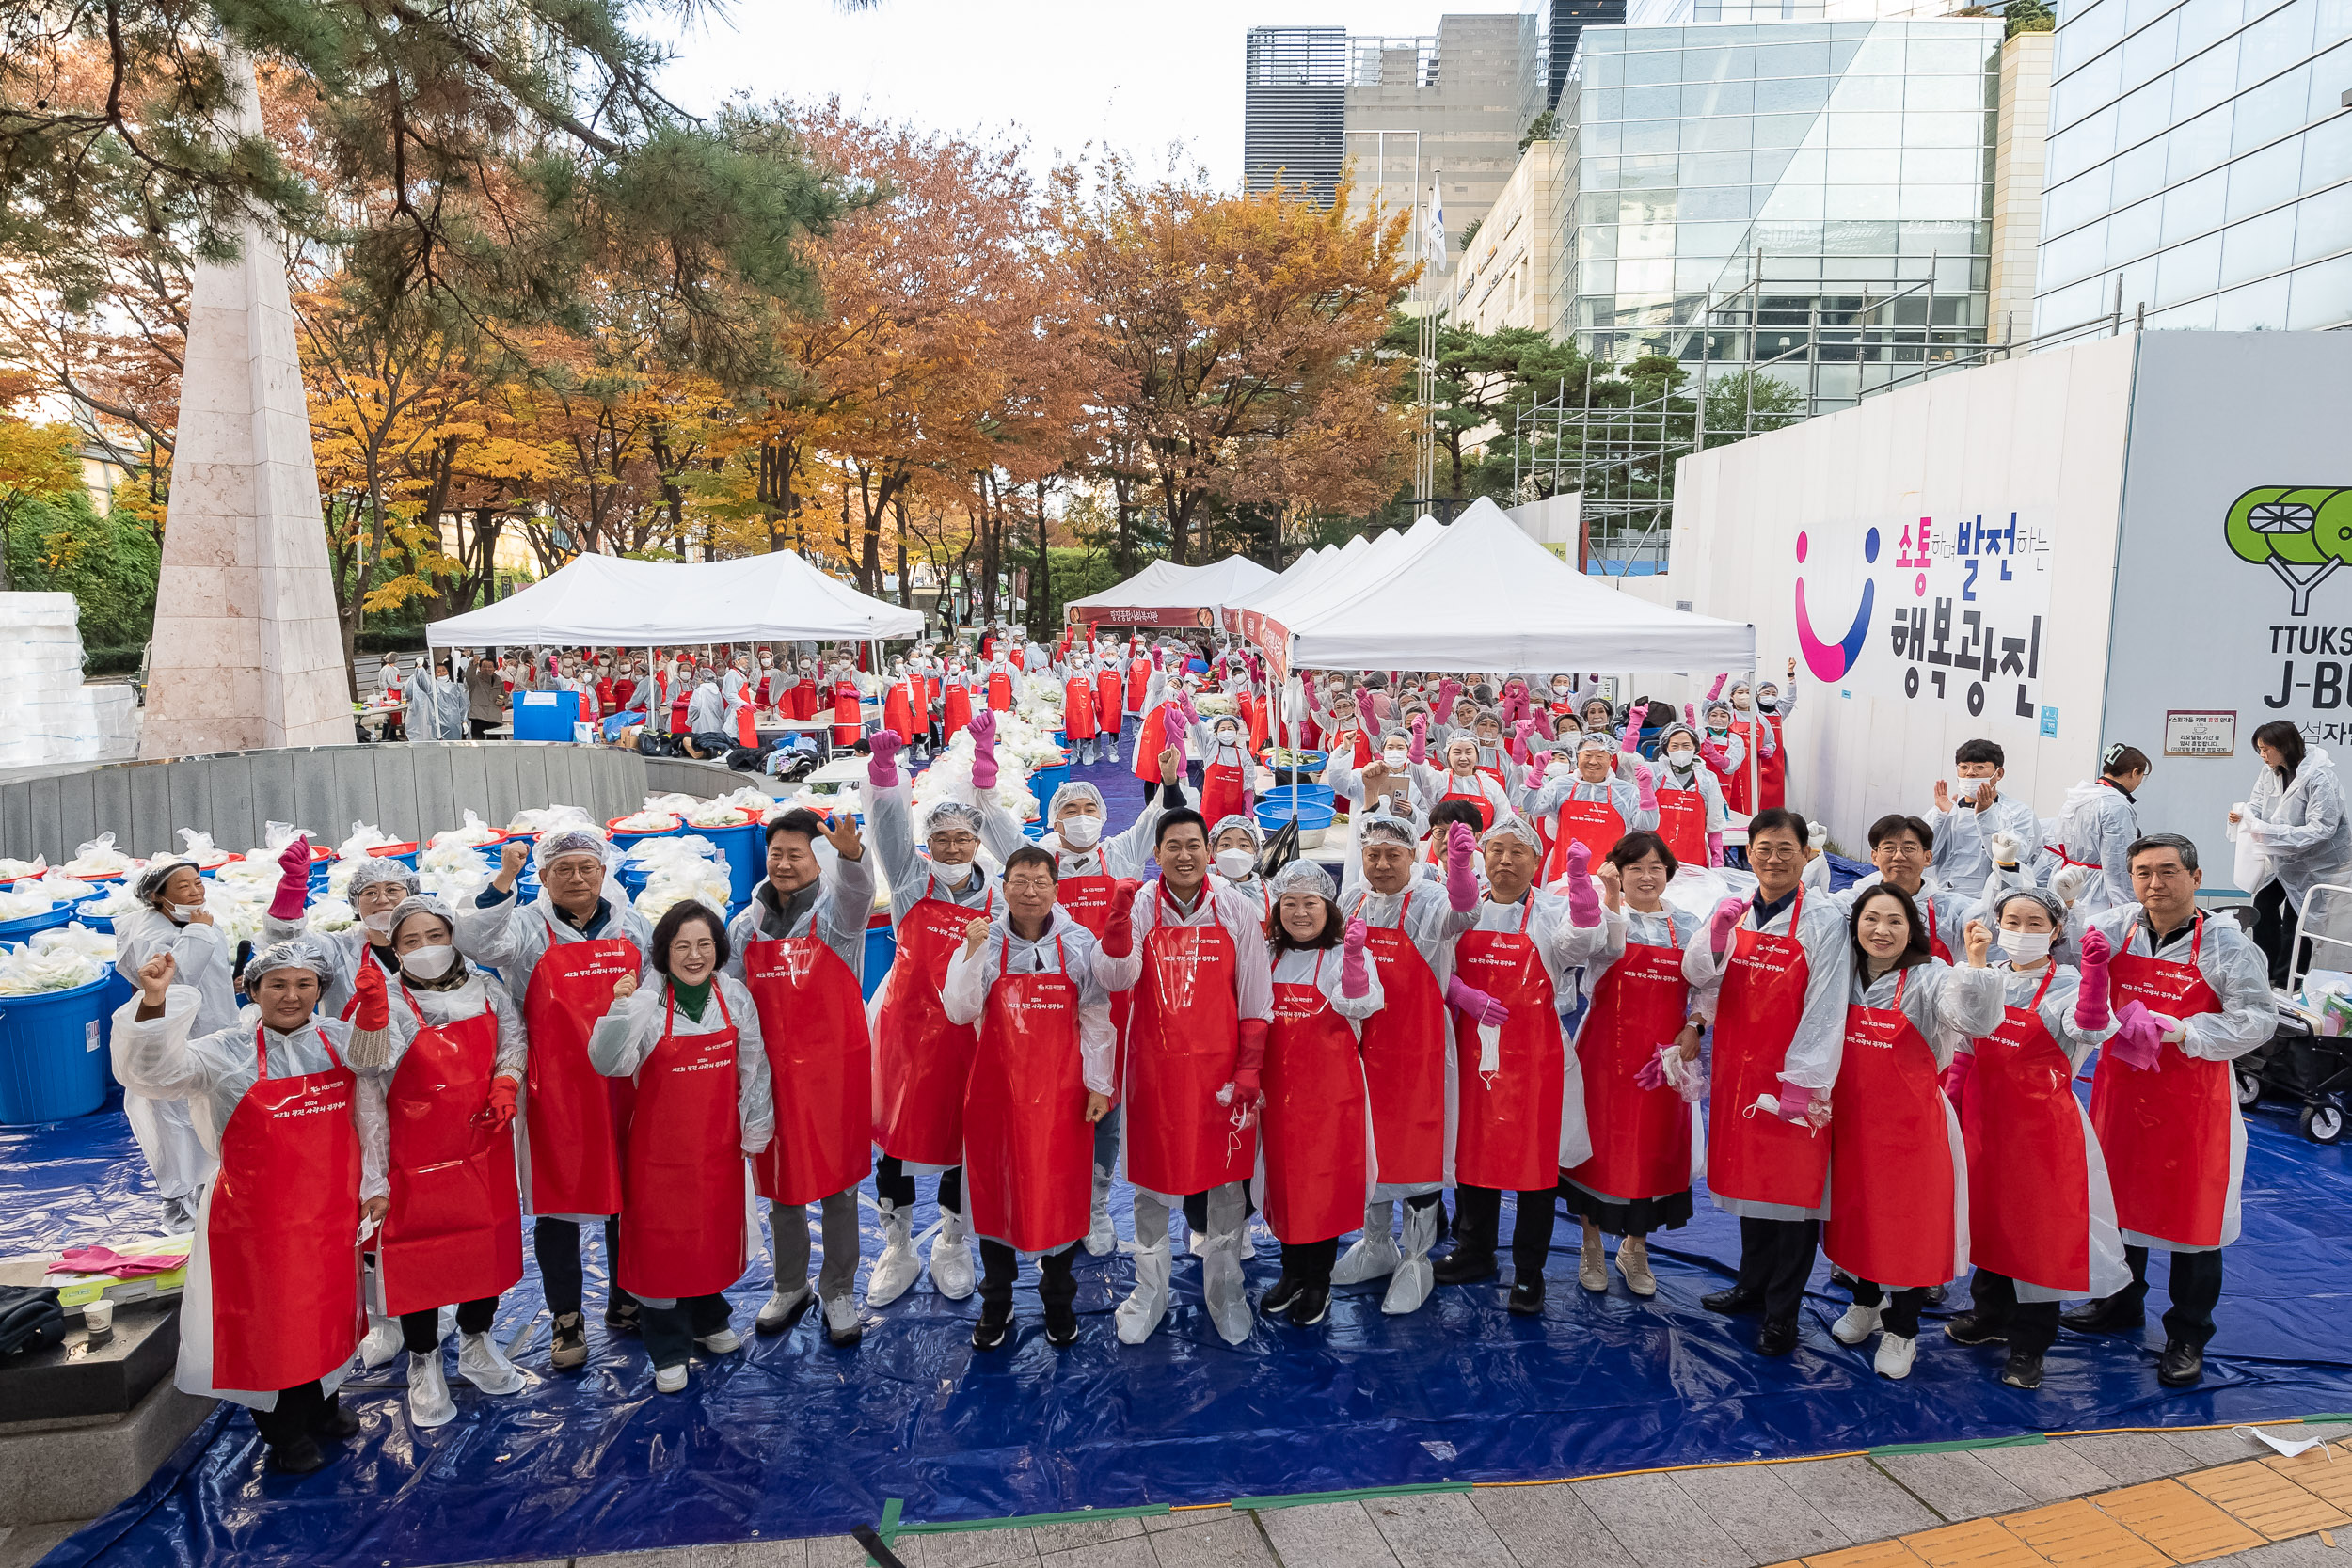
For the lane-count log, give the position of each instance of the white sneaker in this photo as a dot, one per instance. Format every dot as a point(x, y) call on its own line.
point(954, 1274)
point(1894, 1356)
point(725, 1342)
point(670, 1379)
point(429, 1404)
point(1858, 1325)
point(844, 1325)
point(382, 1343)
point(897, 1268)
point(783, 1308)
point(480, 1363)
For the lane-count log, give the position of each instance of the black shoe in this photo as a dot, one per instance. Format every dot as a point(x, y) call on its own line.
point(1279, 1298)
point(570, 1347)
point(1462, 1266)
point(296, 1456)
point(1309, 1305)
point(333, 1423)
point(2180, 1365)
point(2113, 1315)
point(1778, 1337)
point(1527, 1297)
point(1734, 1299)
point(1840, 1279)
point(620, 1317)
point(1061, 1324)
point(1936, 1294)
point(1971, 1328)
point(2024, 1369)
point(995, 1324)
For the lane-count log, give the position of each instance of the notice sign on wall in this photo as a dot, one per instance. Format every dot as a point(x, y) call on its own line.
point(2190, 733)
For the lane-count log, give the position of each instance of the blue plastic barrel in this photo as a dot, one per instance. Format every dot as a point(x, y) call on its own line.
point(17, 930)
point(622, 838)
point(881, 947)
point(1044, 780)
point(53, 1062)
point(118, 991)
point(747, 857)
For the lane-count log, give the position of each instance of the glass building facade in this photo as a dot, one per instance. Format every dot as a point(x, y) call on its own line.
point(2200, 164)
point(1813, 197)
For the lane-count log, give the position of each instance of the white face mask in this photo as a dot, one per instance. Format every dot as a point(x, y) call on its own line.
point(428, 963)
point(1229, 737)
point(2025, 947)
point(1396, 758)
point(183, 912)
point(379, 923)
point(1234, 865)
point(1681, 756)
point(1080, 831)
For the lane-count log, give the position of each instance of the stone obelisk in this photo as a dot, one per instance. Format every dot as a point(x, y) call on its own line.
point(246, 654)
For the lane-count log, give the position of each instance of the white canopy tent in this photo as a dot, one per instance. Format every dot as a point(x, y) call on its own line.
point(602, 600)
point(1167, 594)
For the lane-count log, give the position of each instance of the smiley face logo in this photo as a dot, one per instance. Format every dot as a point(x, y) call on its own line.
point(1830, 662)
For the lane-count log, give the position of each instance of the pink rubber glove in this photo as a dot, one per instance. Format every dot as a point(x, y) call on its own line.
point(1355, 968)
point(1520, 732)
point(1632, 739)
point(1417, 753)
point(1645, 787)
point(1476, 1003)
point(882, 761)
point(1717, 690)
point(983, 760)
point(1583, 897)
point(1715, 850)
point(1715, 756)
point(1719, 925)
point(1159, 661)
point(1691, 716)
point(1448, 689)
point(1795, 1100)
point(1543, 725)
point(1461, 885)
point(293, 881)
point(2092, 1001)
point(1175, 736)
point(2138, 1040)
point(1652, 1074)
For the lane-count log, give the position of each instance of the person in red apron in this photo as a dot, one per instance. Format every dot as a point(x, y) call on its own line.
point(1078, 720)
point(1347, 736)
point(175, 921)
point(1464, 780)
point(690, 1044)
point(955, 702)
point(1634, 951)
point(1003, 690)
point(1226, 771)
point(1754, 733)
point(453, 1233)
point(1110, 703)
point(559, 956)
point(2190, 996)
point(1691, 811)
point(1725, 752)
point(1901, 847)
point(1237, 848)
point(2041, 1214)
point(271, 1314)
point(847, 724)
point(1412, 924)
point(921, 1057)
point(1898, 1172)
point(1780, 1024)
point(1774, 704)
point(1194, 954)
point(1313, 1169)
point(1040, 1083)
point(799, 949)
point(1520, 1113)
point(1592, 806)
point(1161, 726)
point(902, 700)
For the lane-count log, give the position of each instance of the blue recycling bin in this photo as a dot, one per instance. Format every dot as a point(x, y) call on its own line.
point(881, 948)
point(545, 715)
point(53, 1063)
point(746, 854)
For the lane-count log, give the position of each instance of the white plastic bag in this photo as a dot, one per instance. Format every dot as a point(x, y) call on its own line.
point(2250, 865)
point(98, 857)
point(201, 850)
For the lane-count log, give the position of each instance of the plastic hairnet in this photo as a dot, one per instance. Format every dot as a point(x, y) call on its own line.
point(380, 868)
point(1666, 737)
point(1237, 820)
point(1300, 876)
point(1512, 827)
point(1723, 708)
point(422, 903)
point(1738, 687)
point(158, 872)
point(949, 814)
point(1380, 825)
point(1596, 741)
point(294, 953)
point(1076, 790)
point(1484, 714)
point(2049, 901)
point(568, 841)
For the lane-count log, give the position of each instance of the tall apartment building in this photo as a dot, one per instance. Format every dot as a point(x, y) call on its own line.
point(1445, 109)
point(1565, 24)
point(1293, 109)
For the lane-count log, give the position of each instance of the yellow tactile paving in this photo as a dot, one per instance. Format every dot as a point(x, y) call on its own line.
point(2176, 1521)
point(2074, 1534)
point(1879, 1554)
point(1978, 1543)
point(2325, 1475)
point(2260, 1497)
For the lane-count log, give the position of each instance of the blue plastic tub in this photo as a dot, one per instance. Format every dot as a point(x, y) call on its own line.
point(1274, 811)
point(881, 947)
point(622, 840)
point(1308, 794)
point(52, 1064)
point(746, 857)
point(17, 930)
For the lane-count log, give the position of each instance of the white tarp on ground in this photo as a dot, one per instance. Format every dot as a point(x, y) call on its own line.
point(1172, 594)
point(1479, 594)
point(605, 601)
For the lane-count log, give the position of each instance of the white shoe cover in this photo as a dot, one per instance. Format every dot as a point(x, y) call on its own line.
point(1894, 1356)
point(1374, 1255)
point(1222, 1288)
point(1147, 1303)
point(429, 1404)
point(1101, 1235)
point(954, 1274)
point(895, 1269)
point(382, 1343)
point(781, 1305)
point(480, 1363)
point(1410, 1285)
point(1858, 1323)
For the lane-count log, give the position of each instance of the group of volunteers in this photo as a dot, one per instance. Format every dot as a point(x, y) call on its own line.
point(1500, 990)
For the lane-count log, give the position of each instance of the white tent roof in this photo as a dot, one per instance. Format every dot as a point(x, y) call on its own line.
point(1480, 594)
point(1165, 585)
point(604, 600)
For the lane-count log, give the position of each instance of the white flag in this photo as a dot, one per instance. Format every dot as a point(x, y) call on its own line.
point(1433, 247)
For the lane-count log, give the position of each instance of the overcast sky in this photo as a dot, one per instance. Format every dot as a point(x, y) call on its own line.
point(1135, 76)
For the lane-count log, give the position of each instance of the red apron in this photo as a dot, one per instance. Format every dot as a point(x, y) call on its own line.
point(678, 705)
point(1736, 782)
point(1935, 941)
point(1108, 699)
point(574, 1116)
point(1028, 1149)
point(2166, 1134)
point(1000, 691)
point(956, 709)
point(1314, 1117)
point(1223, 787)
point(1771, 774)
point(1595, 824)
point(1478, 802)
point(1404, 1051)
point(282, 1231)
point(1258, 734)
point(1682, 823)
point(1760, 1158)
point(682, 1227)
point(898, 709)
point(1088, 901)
point(1077, 708)
point(2029, 1173)
point(846, 723)
point(454, 1229)
point(1150, 741)
point(1890, 1173)
point(1183, 1038)
point(921, 1059)
point(812, 1021)
point(1138, 683)
point(1640, 1137)
point(1507, 1126)
point(805, 698)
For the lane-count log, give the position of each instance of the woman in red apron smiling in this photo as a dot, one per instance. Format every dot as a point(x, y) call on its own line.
point(2192, 994)
point(1040, 1083)
point(559, 956)
point(1647, 1153)
point(1313, 1160)
point(799, 947)
point(1226, 771)
point(691, 1041)
point(271, 1314)
point(1463, 781)
point(1690, 814)
point(1898, 1175)
point(2041, 1214)
point(1592, 806)
point(1079, 721)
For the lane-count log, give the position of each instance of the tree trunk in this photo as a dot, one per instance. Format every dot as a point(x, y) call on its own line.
point(906, 584)
point(1041, 588)
point(1122, 492)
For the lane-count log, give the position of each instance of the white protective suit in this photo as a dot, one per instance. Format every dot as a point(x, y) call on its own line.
point(2300, 829)
point(2095, 829)
point(176, 1156)
point(1962, 855)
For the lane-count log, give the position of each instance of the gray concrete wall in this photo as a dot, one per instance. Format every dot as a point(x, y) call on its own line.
point(410, 790)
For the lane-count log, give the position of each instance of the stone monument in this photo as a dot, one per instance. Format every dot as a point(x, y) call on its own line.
point(248, 653)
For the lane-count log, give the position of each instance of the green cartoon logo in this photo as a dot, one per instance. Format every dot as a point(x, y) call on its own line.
point(2303, 534)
